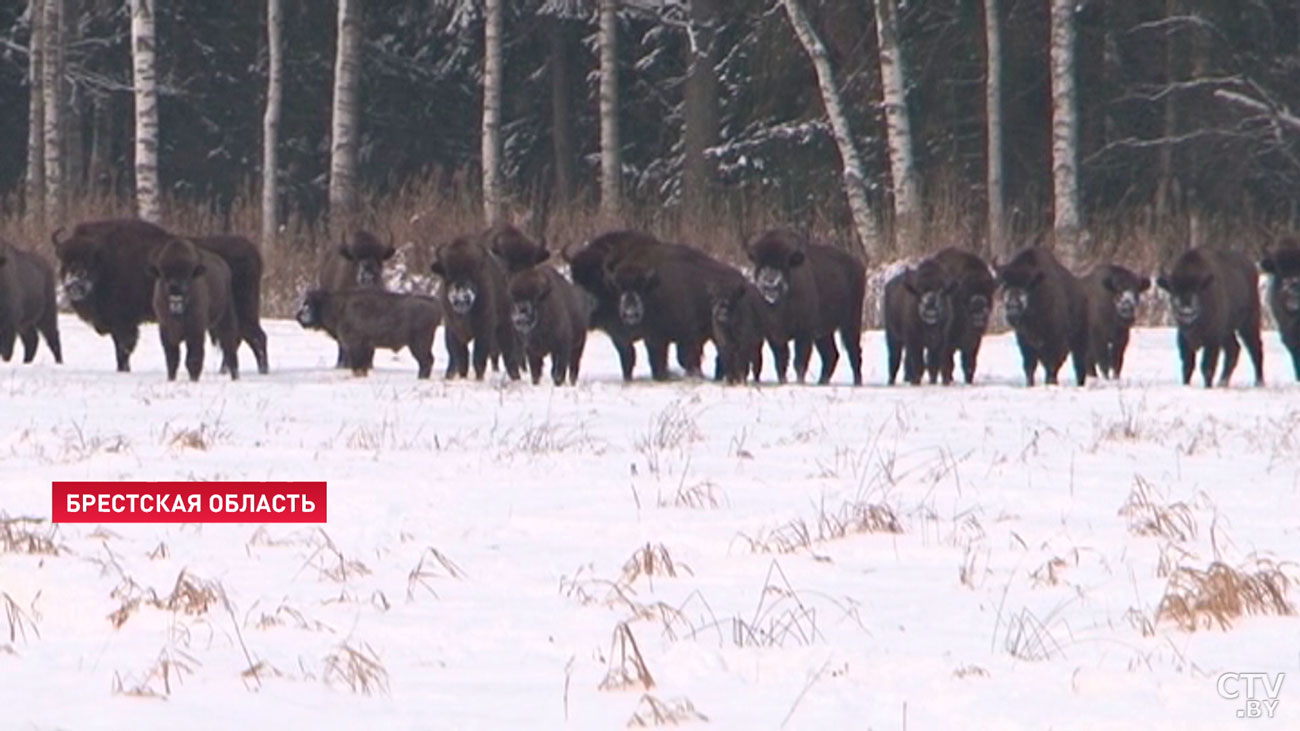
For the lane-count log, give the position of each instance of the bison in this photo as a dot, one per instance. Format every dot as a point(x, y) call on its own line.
point(1113, 293)
point(357, 263)
point(515, 250)
point(27, 303)
point(1044, 303)
point(740, 326)
point(972, 301)
point(550, 318)
point(1283, 264)
point(918, 321)
point(587, 266)
point(245, 262)
point(812, 290)
point(476, 304)
point(192, 298)
point(1214, 296)
point(361, 320)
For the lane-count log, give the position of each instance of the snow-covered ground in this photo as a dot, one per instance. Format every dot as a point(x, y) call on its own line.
point(484, 564)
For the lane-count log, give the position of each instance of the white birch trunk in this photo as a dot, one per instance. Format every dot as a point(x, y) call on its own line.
point(271, 123)
point(898, 124)
point(1065, 135)
point(35, 198)
point(611, 158)
point(343, 138)
point(52, 86)
point(146, 110)
point(998, 244)
point(864, 219)
point(492, 112)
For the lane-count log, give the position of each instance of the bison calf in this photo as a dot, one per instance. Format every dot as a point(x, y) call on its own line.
point(1284, 295)
point(192, 297)
point(972, 302)
point(550, 318)
point(1113, 294)
point(918, 321)
point(1044, 303)
point(740, 325)
point(1215, 299)
point(362, 320)
point(27, 304)
point(357, 263)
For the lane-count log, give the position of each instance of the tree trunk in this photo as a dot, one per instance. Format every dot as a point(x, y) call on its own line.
point(52, 86)
point(561, 117)
point(1165, 161)
point(1065, 135)
point(864, 219)
point(74, 107)
point(146, 110)
point(35, 196)
point(611, 158)
point(893, 75)
point(99, 173)
point(271, 123)
point(700, 104)
point(343, 138)
point(998, 243)
point(491, 141)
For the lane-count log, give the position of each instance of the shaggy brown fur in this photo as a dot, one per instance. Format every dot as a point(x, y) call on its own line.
point(476, 304)
point(550, 318)
point(1283, 263)
point(740, 326)
point(362, 320)
point(192, 297)
point(918, 321)
point(1215, 299)
point(587, 266)
point(357, 263)
point(515, 250)
point(1044, 303)
point(1113, 294)
point(813, 290)
point(245, 263)
point(27, 303)
point(972, 302)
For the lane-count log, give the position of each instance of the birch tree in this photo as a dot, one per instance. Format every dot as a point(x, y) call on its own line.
point(271, 122)
point(898, 123)
point(145, 81)
point(700, 106)
point(36, 113)
point(611, 159)
point(1065, 134)
point(852, 170)
point(993, 128)
point(343, 136)
point(52, 87)
point(491, 141)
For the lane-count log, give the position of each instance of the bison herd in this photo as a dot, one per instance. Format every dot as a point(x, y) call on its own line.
point(502, 301)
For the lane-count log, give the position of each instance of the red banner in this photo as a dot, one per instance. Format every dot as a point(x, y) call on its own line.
point(188, 502)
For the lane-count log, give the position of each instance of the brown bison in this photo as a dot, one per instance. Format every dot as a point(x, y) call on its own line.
point(476, 304)
point(245, 263)
point(361, 320)
point(1044, 303)
point(918, 321)
point(515, 250)
point(813, 290)
point(27, 304)
point(1283, 264)
point(972, 301)
point(741, 324)
point(192, 298)
point(357, 263)
point(550, 319)
point(1214, 296)
point(1113, 294)
point(587, 266)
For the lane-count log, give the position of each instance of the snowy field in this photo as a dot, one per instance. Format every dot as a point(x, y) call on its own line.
point(507, 556)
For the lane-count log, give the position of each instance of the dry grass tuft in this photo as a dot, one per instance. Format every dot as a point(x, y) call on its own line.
point(330, 562)
point(1216, 596)
point(359, 669)
point(654, 712)
point(651, 561)
point(1049, 574)
point(433, 564)
point(28, 535)
point(190, 595)
point(1027, 638)
point(1148, 517)
point(852, 518)
point(19, 621)
point(671, 429)
point(172, 664)
point(627, 667)
point(704, 495)
point(200, 438)
point(970, 671)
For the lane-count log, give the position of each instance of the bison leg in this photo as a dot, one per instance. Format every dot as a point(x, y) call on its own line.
point(626, 357)
point(559, 366)
point(255, 336)
point(1250, 336)
point(802, 354)
point(575, 357)
point(829, 354)
point(423, 354)
point(30, 342)
point(124, 341)
point(1292, 342)
point(194, 345)
point(657, 351)
point(230, 353)
point(1187, 354)
point(535, 367)
point(362, 358)
point(894, 355)
point(1117, 349)
point(1231, 352)
point(172, 354)
point(912, 363)
point(1079, 357)
point(482, 352)
point(49, 328)
point(8, 336)
point(457, 355)
point(690, 356)
point(780, 357)
point(756, 361)
point(851, 337)
point(969, 358)
point(1209, 360)
point(1029, 362)
point(342, 361)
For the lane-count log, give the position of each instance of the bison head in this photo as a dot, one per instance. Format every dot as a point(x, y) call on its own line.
point(1284, 265)
point(933, 291)
point(725, 302)
point(774, 254)
point(1126, 290)
point(514, 249)
point(633, 281)
point(174, 269)
point(79, 264)
point(461, 264)
point(528, 289)
point(311, 313)
point(1019, 280)
point(1186, 288)
point(368, 254)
